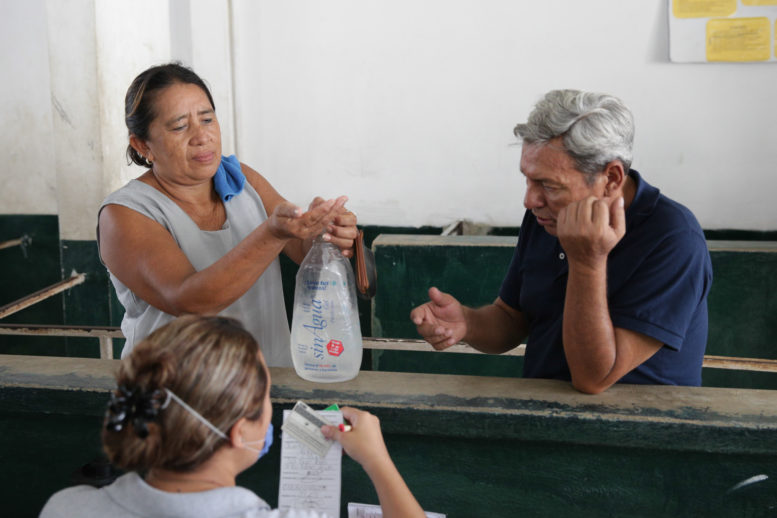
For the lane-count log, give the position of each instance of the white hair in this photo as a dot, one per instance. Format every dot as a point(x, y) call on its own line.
point(595, 128)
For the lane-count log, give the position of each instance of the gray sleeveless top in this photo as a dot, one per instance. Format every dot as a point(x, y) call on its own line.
point(261, 309)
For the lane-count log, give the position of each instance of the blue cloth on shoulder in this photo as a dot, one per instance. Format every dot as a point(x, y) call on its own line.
point(229, 179)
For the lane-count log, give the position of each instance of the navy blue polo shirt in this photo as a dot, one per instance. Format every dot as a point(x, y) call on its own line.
point(658, 278)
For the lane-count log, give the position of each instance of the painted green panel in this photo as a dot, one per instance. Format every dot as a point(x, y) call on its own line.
point(92, 303)
point(436, 363)
point(499, 448)
point(740, 235)
point(742, 309)
point(743, 305)
point(742, 301)
point(25, 270)
point(88, 303)
point(460, 477)
point(505, 478)
point(40, 454)
point(471, 268)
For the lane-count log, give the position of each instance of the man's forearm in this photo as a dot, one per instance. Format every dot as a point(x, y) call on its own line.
point(588, 333)
point(493, 330)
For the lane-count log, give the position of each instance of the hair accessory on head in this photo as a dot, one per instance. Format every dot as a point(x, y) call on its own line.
point(136, 406)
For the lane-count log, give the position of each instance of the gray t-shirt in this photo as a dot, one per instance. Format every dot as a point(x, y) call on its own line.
point(261, 309)
point(130, 497)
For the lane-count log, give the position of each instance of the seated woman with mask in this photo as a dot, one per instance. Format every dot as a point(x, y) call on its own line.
point(192, 410)
point(199, 233)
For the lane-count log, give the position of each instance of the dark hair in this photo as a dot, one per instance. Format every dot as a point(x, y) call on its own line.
point(209, 362)
point(141, 94)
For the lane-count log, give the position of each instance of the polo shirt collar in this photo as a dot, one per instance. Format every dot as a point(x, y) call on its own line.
point(645, 200)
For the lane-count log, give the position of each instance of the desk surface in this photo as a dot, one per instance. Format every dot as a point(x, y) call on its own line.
point(663, 417)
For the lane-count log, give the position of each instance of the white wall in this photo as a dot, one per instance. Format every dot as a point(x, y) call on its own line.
point(408, 106)
point(27, 172)
point(67, 66)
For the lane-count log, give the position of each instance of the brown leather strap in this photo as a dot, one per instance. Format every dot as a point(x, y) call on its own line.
point(362, 281)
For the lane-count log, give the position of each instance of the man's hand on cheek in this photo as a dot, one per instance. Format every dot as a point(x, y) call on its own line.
point(590, 228)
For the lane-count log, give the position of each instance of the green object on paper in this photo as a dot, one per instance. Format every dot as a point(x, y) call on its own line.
point(333, 406)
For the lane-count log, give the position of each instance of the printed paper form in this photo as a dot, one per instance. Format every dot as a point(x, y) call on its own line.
point(307, 480)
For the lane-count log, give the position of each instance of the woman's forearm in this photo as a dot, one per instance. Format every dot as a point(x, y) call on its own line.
point(395, 497)
point(216, 287)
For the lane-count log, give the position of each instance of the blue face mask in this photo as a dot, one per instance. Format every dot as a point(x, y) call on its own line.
point(267, 435)
point(267, 443)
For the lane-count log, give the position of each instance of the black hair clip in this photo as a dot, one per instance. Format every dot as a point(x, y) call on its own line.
point(136, 406)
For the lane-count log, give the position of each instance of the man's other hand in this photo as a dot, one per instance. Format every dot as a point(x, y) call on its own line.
point(440, 321)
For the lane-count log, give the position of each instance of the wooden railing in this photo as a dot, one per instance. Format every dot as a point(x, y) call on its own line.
point(106, 334)
point(33, 298)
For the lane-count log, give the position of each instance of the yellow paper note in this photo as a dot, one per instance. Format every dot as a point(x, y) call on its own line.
point(759, 2)
point(703, 8)
point(739, 39)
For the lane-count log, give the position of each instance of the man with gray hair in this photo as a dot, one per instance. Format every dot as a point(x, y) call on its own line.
point(609, 279)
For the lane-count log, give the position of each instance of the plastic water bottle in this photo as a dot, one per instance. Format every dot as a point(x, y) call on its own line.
point(326, 339)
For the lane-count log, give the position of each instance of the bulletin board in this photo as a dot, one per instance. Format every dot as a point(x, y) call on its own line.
point(733, 31)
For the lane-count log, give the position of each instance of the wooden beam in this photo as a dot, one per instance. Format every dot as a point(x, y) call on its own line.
point(39, 295)
point(740, 364)
point(407, 344)
point(710, 361)
point(60, 330)
point(11, 242)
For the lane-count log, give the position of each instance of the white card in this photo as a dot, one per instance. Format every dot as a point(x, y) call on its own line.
point(303, 424)
point(374, 511)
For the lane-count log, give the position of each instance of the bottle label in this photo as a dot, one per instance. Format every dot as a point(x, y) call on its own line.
point(315, 327)
point(317, 285)
point(334, 347)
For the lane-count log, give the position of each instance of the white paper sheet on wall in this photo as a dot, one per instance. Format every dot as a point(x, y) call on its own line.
point(307, 480)
point(705, 31)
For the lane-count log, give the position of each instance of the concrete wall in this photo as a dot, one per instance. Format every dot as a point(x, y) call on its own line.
point(405, 106)
point(69, 64)
point(27, 132)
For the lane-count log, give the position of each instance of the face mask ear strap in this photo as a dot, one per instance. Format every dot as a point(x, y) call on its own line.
point(267, 442)
point(268, 435)
point(193, 412)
